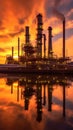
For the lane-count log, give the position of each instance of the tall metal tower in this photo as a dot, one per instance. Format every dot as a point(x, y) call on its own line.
point(50, 52)
point(39, 35)
point(27, 35)
point(64, 38)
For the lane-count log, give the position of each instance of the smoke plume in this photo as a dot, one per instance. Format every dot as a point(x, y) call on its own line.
point(56, 12)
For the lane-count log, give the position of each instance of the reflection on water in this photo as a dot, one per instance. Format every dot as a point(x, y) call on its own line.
point(36, 102)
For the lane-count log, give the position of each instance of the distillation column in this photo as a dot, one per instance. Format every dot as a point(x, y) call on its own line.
point(50, 52)
point(27, 35)
point(27, 40)
point(39, 35)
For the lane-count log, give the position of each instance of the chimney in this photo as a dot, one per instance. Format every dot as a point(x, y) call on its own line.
point(39, 35)
point(64, 38)
point(12, 52)
point(44, 45)
point(27, 36)
point(50, 42)
point(18, 47)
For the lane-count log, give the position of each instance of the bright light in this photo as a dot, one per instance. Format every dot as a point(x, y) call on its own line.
point(15, 56)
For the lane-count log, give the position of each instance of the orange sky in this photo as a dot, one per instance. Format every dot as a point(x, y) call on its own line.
point(16, 14)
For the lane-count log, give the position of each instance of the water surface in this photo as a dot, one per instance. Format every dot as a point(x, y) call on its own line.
point(34, 102)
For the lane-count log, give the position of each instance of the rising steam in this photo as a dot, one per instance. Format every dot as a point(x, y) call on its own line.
point(56, 12)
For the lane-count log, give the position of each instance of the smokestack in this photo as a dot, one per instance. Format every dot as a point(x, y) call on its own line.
point(12, 52)
point(18, 47)
point(39, 35)
point(50, 42)
point(27, 36)
point(44, 45)
point(60, 16)
point(64, 38)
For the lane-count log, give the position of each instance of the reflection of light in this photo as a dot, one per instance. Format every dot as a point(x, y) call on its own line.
point(53, 78)
point(15, 56)
point(5, 108)
point(36, 81)
point(15, 84)
point(39, 68)
point(53, 65)
point(57, 81)
point(48, 81)
point(29, 80)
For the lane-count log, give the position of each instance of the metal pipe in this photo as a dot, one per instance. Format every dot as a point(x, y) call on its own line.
point(12, 52)
point(44, 45)
point(64, 38)
point(18, 47)
point(27, 36)
point(50, 42)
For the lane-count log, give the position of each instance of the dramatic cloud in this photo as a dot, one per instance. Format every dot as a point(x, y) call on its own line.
point(2, 50)
point(16, 33)
point(16, 14)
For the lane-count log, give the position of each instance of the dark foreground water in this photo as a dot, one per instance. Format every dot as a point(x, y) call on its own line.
point(34, 102)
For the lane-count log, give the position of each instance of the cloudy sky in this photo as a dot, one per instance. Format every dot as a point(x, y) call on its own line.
point(16, 14)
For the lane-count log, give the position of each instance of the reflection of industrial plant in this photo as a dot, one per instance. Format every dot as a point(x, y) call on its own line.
point(34, 58)
point(33, 84)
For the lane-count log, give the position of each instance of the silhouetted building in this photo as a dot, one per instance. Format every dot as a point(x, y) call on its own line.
point(39, 35)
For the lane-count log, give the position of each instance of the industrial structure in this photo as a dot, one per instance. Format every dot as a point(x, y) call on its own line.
point(32, 57)
point(29, 85)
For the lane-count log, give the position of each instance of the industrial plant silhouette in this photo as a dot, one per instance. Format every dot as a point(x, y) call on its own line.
point(25, 88)
point(31, 59)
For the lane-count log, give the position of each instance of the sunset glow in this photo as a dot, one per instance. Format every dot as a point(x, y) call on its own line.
point(16, 14)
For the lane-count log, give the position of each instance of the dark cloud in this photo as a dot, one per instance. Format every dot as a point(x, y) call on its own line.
point(21, 20)
point(2, 50)
point(2, 103)
point(17, 10)
point(59, 102)
point(2, 28)
point(1, 23)
point(3, 5)
point(14, 118)
point(67, 7)
point(57, 2)
point(70, 17)
point(61, 6)
point(69, 33)
point(11, 104)
point(59, 124)
point(24, 7)
point(16, 33)
point(48, 8)
point(3, 36)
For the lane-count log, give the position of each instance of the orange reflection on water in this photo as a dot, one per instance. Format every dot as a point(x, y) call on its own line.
point(29, 105)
